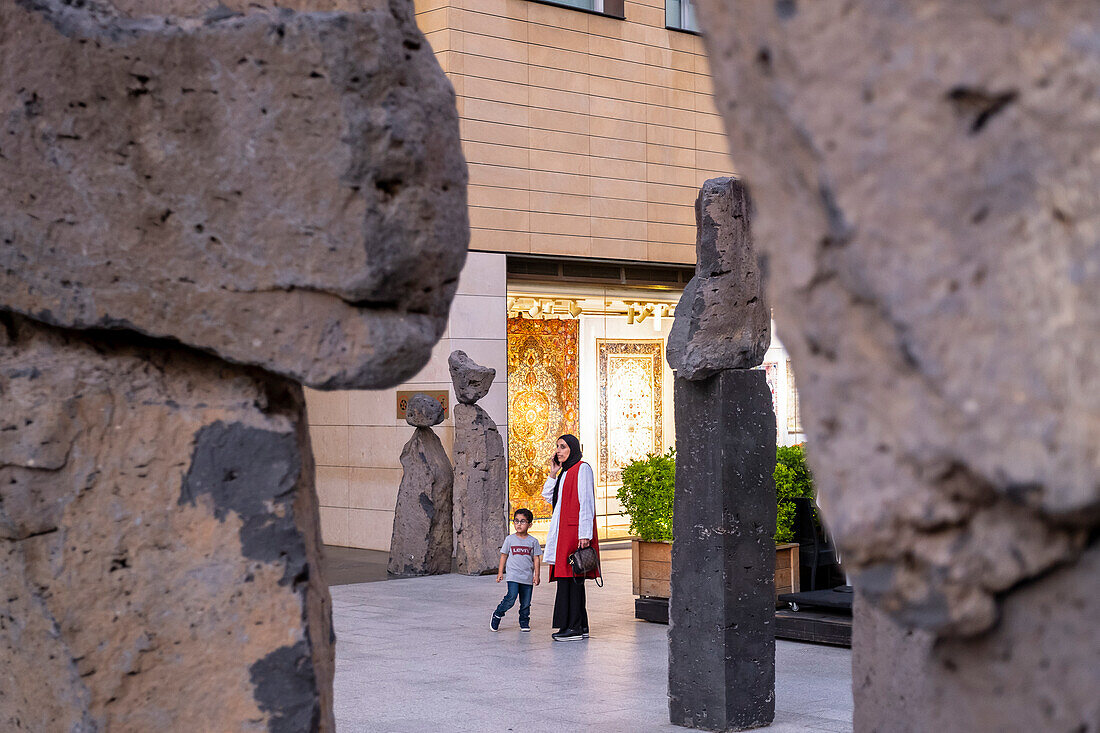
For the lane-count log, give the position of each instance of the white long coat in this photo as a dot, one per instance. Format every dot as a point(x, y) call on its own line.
point(586, 496)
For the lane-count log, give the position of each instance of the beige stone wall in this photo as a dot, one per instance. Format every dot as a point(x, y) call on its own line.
point(585, 135)
point(357, 436)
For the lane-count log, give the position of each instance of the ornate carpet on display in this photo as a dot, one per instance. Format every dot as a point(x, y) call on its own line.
point(631, 421)
point(543, 402)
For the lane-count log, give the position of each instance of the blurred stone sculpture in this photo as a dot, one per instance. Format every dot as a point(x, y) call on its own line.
point(481, 473)
point(202, 206)
point(721, 660)
point(931, 241)
point(423, 541)
point(304, 213)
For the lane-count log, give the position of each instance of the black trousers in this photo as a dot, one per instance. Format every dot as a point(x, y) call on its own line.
point(570, 613)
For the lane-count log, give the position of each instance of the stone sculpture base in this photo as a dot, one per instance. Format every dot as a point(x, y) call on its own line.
point(721, 672)
point(422, 541)
point(1044, 649)
point(159, 541)
point(480, 491)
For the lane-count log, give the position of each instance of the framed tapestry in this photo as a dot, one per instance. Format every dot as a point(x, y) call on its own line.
point(630, 376)
point(771, 374)
point(794, 415)
point(543, 403)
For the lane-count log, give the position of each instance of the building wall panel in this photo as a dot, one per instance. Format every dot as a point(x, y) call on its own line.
point(358, 437)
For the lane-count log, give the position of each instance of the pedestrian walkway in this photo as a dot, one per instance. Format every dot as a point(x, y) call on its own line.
point(417, 655)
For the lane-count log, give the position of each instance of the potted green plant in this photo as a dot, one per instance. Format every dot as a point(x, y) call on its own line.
point(792, 480)
point(647, 497)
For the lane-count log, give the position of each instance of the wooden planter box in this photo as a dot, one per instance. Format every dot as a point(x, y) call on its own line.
point(652, 568)
point(786, 569)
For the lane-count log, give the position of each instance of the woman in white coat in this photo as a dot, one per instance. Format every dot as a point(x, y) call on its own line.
point(571, 491)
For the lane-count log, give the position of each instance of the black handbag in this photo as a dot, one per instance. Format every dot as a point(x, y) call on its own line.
point(584, 560)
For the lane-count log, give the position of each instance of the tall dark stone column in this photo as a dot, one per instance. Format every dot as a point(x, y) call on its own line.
point(721, 637)
point(721, 662)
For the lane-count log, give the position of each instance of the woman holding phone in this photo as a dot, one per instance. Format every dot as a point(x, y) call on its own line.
point(571, 491)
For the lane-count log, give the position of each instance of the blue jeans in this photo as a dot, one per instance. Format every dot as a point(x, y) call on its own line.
point(523, 591)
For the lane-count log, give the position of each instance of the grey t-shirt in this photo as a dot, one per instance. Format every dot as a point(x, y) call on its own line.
point(521, 552)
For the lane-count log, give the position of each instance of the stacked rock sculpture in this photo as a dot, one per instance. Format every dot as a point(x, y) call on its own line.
point(191, 228)
point(721, 671)
point(480, 471)
point(422, 537)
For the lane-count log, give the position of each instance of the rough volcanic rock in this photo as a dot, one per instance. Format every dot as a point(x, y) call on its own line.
point(480, 490)
point(1036, 671)
point(159, 542)
point(471, 380)
point(423, 411)
point(721, 651)
point(284, 189)
point(928, 203)
point(722, 320)
point(423, 540)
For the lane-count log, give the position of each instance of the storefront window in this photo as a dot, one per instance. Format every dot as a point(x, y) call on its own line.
point(589, 362)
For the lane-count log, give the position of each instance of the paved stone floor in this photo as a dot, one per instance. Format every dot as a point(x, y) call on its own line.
point(417, 655)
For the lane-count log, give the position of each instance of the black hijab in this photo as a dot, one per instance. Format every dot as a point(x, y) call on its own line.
point(573, 459)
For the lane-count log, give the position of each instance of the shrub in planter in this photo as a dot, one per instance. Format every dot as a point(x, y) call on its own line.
point(649, 484)
point(792, 480)
point(646, 495)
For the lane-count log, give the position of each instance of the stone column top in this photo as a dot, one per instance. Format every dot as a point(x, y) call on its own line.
point(471, 380)
point(722, 320)
point(423, 411)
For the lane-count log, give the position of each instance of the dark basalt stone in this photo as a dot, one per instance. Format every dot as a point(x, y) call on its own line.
point(722, 320)
point(721, 673)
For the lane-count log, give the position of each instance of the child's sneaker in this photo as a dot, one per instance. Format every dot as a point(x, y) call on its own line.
point(494, 624)
point(525, 627)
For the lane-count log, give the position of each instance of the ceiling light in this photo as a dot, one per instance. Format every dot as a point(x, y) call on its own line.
point(646, 312)
point(630, 313)
point(574, 309)
point(535, 309)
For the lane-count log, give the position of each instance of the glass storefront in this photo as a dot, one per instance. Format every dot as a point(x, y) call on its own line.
point(587, 360)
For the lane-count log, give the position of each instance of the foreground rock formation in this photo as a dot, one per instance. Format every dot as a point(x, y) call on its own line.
point(1036, 671)
point(221, 174)
point(202, 205)
point(480, 471)
point(928, 213)
point(159, 541)
point(423, 539)
point(721, 639)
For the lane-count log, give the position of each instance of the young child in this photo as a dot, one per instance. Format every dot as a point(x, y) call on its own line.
point(520, 555)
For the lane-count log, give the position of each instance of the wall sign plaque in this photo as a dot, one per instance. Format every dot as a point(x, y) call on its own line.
point(442, 395)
